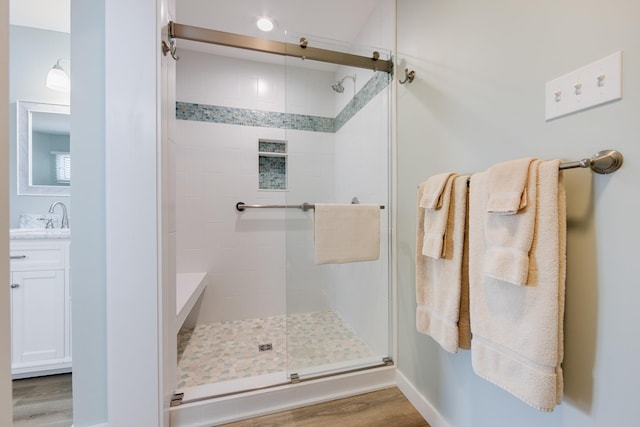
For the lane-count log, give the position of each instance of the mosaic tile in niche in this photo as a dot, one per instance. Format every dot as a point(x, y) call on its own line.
point(268, 146)
point(272, 173)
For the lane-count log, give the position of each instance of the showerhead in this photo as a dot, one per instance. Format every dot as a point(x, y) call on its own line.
point(339, 87)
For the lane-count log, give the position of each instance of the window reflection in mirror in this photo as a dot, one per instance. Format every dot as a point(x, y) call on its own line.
point(44, 160)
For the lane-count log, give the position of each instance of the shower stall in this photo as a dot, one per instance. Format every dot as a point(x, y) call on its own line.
point(261, 138)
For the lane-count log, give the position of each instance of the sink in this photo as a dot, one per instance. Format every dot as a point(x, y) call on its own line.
point(39, 233)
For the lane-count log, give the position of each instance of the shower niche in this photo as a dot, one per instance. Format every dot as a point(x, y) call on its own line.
point(272, 165)
point(269, 315)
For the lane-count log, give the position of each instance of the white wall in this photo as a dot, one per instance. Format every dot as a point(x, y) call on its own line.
point(32, 54)
point(478, 99)
point(244, 254)
point(121, 274)
point(88, 242)
point(6, 412)
point(136, 210)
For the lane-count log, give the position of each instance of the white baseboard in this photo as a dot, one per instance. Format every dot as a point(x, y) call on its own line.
point(422, 405)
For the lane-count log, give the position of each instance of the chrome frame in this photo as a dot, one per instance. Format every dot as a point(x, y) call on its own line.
point(302, 50)
point(241, 206)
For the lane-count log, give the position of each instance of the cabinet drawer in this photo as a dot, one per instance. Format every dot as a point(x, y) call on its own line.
point(45, 256)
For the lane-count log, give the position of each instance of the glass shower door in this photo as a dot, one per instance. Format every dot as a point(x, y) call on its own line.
point(337, 152)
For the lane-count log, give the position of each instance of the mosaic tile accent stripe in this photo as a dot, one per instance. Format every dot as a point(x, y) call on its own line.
point(374, 86)
point(215, 352)
point(246, 117)
point(270, 119)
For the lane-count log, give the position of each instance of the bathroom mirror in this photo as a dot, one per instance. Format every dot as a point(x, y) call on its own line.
point(44, 160)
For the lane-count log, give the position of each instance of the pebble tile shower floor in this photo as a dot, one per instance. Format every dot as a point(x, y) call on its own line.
point(215, 352)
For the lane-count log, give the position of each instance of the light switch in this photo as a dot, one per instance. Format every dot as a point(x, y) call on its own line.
point(591, 85)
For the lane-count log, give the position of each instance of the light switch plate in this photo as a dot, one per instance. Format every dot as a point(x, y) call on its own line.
point(591, 85)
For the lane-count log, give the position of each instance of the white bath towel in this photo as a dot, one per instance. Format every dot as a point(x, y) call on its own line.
point(436, 214)
point(509, 237)
point(518, 330)
point(441, 286)
point(346, 233)
point(507, 186)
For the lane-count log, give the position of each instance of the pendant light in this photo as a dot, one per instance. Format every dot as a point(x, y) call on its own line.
point(57, 78)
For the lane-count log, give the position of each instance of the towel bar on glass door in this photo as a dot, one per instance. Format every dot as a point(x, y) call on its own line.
point(241, 206)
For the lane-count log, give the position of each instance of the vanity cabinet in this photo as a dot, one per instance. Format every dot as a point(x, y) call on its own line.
point(40, 307)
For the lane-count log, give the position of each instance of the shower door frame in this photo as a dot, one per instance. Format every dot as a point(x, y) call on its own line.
point(379, 357)
point(303, 51)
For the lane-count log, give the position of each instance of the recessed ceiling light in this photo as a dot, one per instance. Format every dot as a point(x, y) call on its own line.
point(265, 23)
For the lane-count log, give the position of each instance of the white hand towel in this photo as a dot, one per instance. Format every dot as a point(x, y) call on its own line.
point(441, 286)
point(433, 191)
point(509, 237)
point(346, 233)
point(518, 330)
point(436, 216)
point(508, 186)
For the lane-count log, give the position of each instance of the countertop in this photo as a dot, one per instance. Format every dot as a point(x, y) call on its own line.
point(39, 233)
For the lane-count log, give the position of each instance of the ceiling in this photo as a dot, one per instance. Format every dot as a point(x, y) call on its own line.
point(52, 15)
point(331, 19)
point(328, 24)
point(323, 21)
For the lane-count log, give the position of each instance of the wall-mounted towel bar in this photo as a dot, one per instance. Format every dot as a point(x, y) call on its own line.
point(603, 162)
point(240, 206)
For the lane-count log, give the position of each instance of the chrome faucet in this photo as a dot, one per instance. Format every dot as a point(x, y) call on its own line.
point(65, 218)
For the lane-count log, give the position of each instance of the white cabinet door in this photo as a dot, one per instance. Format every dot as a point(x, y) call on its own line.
point(38, 301)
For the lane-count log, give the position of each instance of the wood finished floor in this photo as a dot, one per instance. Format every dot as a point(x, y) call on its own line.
point(43, 401)
point(47, 401)
point(388, 408)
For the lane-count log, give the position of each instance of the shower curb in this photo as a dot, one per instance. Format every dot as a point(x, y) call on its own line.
point(290, 396)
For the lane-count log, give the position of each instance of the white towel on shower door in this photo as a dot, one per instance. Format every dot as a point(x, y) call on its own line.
point(346, 233)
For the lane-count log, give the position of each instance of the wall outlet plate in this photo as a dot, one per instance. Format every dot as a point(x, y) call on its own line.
point(586, 87)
